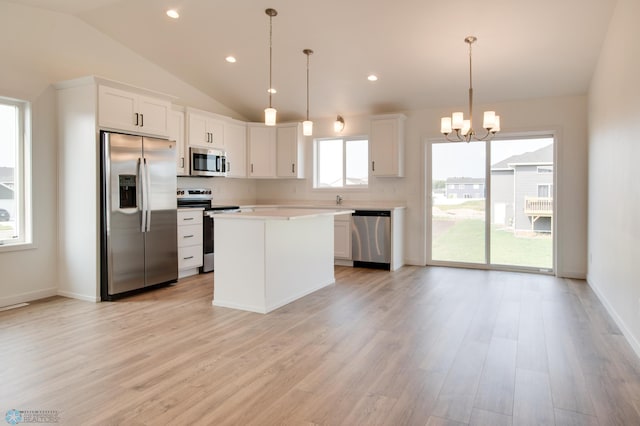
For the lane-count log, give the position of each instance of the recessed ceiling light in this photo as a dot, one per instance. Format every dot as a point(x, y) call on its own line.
point(172, 13)
point(272, 90)
point(372, 77)
point(230, 59)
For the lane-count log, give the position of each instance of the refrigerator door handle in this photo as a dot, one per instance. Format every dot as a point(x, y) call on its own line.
point(147, 192)
point(143, 194)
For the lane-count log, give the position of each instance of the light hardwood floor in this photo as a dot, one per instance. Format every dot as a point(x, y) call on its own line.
point(424, 346)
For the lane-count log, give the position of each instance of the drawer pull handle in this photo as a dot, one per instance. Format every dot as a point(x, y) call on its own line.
point(188, 218)
point(187, 258)
point(188, 236)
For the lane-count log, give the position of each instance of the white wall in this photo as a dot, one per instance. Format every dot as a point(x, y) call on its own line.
point(566, 116)
point(38, 49)
point(614, 185)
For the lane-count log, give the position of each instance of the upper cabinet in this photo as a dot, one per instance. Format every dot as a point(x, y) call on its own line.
point(235, 146)
point(205, 130)
point(177, 133)
point(290, 151)
point(262, 150)
point(386, 143)
point(130, 111)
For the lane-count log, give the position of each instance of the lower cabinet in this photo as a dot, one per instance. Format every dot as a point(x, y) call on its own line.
point(189, 242)
point(342, 237)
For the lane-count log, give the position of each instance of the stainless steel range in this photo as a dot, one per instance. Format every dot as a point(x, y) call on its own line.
point(202, 198)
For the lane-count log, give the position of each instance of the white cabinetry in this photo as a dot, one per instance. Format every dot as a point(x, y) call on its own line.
point(205, 130)
point(132, 112)
point(235, 146)
point(176, 133)
point(262, 150)
point(189, 241)
point(290, 151)
point(342, 237)
point(386, 143)
point(85, 106)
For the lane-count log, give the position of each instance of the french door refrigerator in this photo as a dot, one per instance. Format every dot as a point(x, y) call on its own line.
point(138, 213)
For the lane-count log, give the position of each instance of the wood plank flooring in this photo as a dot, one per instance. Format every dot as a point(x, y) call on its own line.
point(419, 346)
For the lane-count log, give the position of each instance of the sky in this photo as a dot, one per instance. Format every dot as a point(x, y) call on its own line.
point(7, 135)
point(461, 159)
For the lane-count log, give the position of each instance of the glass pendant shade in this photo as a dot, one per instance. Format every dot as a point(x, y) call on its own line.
point(307, 128)
point(270, 116)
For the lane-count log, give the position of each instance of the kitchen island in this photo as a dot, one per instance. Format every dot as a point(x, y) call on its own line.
point(265, 259)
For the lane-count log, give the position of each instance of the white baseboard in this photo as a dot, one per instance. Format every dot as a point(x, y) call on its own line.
point(571, 275)
point(78, 296)
point(27, 297)
point(633, 340)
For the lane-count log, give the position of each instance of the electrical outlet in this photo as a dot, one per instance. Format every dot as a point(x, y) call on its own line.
point(590, 258)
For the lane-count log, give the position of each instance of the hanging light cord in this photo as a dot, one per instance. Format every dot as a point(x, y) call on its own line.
point(307, 86)
point(470, 90)
point(270, 56)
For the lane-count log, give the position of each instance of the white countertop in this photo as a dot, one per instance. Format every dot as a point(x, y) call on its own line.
point(282, 213)
point(328, 205)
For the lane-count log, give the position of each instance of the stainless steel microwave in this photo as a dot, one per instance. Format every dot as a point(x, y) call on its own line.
point(208, 162)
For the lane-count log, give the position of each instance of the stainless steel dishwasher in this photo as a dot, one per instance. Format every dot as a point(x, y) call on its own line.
point(371, 239)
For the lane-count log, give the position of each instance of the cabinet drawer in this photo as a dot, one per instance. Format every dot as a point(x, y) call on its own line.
point(189, 217)
point(189, 257)
point(189, 235)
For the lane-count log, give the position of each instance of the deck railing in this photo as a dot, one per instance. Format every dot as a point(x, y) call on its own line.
point(536, 206)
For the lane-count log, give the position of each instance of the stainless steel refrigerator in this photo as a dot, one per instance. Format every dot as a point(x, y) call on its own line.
point(139, 213)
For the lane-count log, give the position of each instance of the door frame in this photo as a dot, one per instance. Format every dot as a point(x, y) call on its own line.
point(427, 205)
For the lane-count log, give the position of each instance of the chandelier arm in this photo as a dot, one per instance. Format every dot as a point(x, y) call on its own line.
point(457, 137)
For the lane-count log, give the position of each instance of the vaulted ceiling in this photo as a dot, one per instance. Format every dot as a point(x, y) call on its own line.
point(525, 49)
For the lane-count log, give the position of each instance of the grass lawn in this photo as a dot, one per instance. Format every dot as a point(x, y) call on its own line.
point(464, 242)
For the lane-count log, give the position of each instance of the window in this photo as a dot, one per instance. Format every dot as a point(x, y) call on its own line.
point(341, 163)
point(545, 169)
point(545, 190)
point(14, 159)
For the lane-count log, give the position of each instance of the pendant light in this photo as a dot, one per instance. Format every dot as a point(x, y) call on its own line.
point(338, 125)
point(463, 129)
point(307, 125)
point(270, 113)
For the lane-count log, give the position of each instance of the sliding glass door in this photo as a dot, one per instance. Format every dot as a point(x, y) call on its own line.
point(459, 202)
point(492, 203)
point(521, 175)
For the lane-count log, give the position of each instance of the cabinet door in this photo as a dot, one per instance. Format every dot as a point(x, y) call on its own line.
point(215, 129)
point(262, 151)
point(197, 134)
point(154, 115)
point(286, 151)
point(117, 109)
point(387, 147)
point(176, 133)
point(131, 112)
point(235, 146)
point(342, 237)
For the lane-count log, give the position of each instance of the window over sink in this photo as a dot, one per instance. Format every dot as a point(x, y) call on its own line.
point(341, 163)
point(15, 155)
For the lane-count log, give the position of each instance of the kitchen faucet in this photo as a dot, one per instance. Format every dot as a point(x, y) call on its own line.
point(338, 199)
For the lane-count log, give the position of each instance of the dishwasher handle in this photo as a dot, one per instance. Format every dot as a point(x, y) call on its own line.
point(379, 213)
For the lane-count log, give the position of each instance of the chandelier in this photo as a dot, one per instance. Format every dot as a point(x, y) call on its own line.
point(461, 129)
